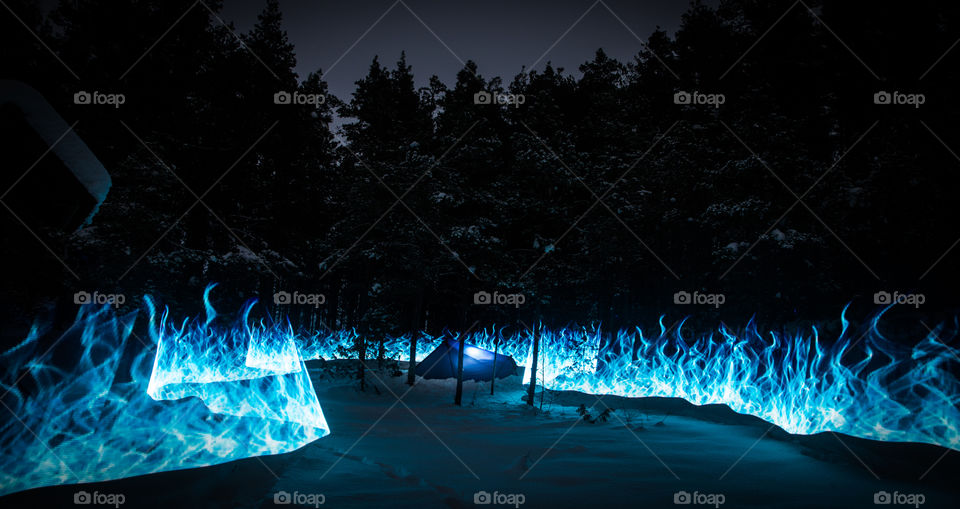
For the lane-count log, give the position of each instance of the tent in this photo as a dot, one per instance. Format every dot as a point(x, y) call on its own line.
point(478, 364)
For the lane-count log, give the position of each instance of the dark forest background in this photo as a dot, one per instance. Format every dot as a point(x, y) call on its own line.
point(489, 193)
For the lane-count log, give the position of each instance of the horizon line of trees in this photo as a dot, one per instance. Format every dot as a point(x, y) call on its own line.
point(597, 199)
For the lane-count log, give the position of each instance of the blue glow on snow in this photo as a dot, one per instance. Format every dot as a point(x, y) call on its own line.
point(202, 392)
point(189, 395)
point(859, 383)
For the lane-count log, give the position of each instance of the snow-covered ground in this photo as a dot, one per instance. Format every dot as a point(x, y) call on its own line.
point(422, 451)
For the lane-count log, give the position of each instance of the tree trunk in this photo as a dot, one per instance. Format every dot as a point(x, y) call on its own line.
point(419, 326)
point(362, 353)
point(532, 388)
point(496, 350)
point(412, 370)
point(350, 309)
point(381, 351)
point(332, 310)
point(459, 395)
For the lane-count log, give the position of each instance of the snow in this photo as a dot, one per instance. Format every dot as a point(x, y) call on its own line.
point(425, 452)
point(244, 254)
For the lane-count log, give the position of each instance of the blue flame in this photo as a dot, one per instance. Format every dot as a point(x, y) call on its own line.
point(198, 393)
point(192, 395)
point(860, 383)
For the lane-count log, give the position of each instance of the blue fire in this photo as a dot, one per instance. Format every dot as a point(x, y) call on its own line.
point(104, 404)
point(860, 383)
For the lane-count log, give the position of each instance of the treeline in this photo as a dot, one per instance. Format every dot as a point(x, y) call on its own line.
point(597, 195)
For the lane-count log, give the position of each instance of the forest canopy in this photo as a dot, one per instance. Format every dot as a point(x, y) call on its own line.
point(769, 173)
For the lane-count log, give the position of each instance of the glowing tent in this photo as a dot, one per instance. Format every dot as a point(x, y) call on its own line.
point(478, 364)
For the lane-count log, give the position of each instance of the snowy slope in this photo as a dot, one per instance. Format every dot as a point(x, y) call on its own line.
point(425, 452)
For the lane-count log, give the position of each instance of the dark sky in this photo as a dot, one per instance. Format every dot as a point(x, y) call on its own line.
point(501, 36)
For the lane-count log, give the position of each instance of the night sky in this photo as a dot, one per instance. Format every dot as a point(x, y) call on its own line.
point(501, 36)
